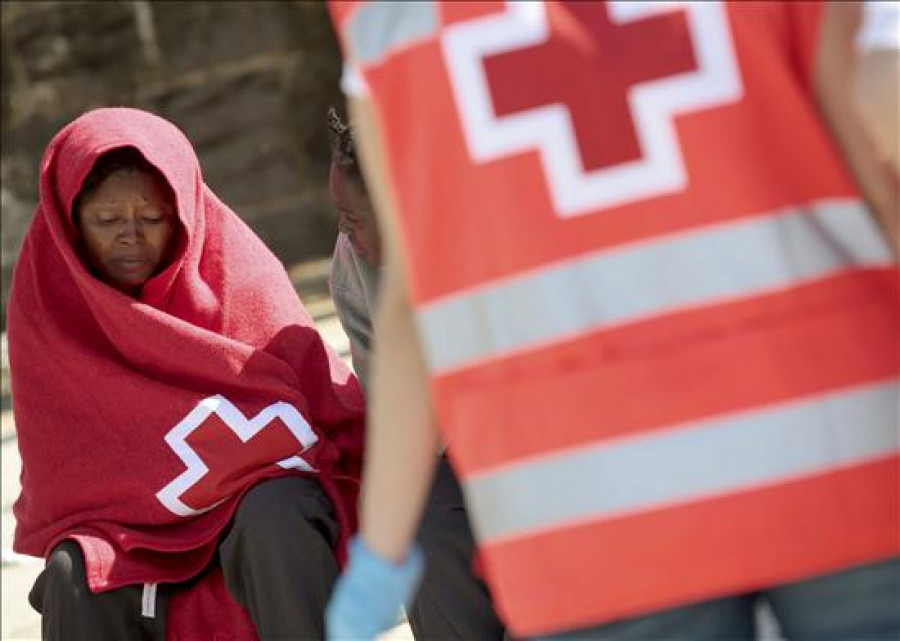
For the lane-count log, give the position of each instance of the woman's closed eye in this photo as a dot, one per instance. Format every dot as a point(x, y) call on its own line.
point(107, 220)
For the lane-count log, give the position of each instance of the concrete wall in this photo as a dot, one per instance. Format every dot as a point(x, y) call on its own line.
point(248, 82)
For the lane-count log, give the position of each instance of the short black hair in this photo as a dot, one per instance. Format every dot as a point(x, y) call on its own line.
point(343, 147)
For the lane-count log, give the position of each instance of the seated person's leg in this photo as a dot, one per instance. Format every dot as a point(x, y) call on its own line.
point(278, 559)
point(69, 610)
point(451, 603)
point(860, 603)
point(728, 619)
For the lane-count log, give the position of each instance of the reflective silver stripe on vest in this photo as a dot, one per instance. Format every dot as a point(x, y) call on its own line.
point(378, 27)
point(604, 289)
point(689, 463)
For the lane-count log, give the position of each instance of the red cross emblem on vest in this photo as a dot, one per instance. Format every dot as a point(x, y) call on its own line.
point(217, 443)
point(594, 87)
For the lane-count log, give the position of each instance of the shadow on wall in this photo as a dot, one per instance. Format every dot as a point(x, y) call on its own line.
point(248, 82)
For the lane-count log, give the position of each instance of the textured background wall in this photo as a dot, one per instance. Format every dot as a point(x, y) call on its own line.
point(248, 82)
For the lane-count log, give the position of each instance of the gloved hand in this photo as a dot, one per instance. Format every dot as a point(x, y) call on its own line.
point(368, 595)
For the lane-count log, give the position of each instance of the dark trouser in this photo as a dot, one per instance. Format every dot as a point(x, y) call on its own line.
point(276, 557)
point(70, 611)
point(859, 604)
point(451, 603)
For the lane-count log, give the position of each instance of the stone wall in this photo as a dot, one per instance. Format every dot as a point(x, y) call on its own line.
point(248, 82)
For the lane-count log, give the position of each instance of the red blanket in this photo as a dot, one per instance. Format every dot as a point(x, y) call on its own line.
point(141, 421)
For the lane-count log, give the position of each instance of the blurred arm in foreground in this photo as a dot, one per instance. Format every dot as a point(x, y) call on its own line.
point(402, 437)
point(858, 96)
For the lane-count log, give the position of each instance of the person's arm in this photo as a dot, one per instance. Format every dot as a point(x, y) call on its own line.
point(878, 77)
point(878, 93)
point(402, 438)
point(835, 75)
point(401, 441)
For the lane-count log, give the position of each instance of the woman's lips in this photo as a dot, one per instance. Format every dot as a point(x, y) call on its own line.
point(130, 263)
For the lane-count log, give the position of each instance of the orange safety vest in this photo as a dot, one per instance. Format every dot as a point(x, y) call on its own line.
point(661, 326)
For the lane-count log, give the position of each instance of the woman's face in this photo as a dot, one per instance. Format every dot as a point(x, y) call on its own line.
point(355, 216)
point(129, 227)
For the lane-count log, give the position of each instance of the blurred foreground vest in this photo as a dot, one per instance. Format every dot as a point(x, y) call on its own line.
point(661, 326)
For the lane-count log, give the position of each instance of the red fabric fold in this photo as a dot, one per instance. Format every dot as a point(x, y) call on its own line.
point(100, 380)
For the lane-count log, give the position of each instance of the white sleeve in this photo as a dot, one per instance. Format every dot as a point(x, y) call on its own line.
point(352, 81)
point(881, 26)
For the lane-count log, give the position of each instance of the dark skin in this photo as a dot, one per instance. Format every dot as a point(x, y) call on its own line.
point(128, 228)
point(355, 215)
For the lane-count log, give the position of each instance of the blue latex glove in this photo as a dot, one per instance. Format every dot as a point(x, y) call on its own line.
point(368, 595)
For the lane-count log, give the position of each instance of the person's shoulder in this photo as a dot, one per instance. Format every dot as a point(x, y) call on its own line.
point(343, 250)
point(345, 278)
point(342, 263)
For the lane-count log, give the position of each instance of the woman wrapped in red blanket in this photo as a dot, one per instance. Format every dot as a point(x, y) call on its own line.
point(190, 445)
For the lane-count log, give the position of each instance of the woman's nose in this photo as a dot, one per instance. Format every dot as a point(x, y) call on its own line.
point(130, 231)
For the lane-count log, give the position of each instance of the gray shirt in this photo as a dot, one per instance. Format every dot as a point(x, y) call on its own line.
point(354, 289)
